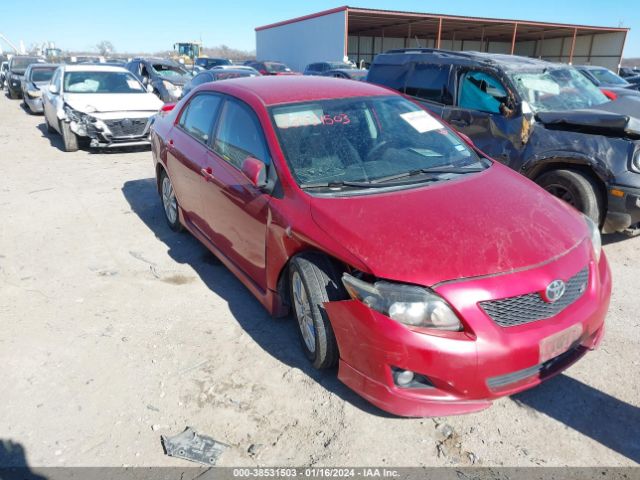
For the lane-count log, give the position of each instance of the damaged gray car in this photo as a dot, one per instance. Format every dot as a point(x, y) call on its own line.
point(544, 120)
point(105, 105)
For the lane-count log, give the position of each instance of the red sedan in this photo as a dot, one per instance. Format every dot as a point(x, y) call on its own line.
point(436, 278)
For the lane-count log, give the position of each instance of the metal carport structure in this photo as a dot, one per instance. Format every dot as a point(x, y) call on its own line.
point(361, 33)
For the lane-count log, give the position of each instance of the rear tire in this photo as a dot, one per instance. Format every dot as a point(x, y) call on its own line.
point(69, 138)
point(577, 189)
point(314, 280)
point(169, 202)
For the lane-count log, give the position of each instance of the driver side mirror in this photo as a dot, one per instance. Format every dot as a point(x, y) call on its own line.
point(53, 89)
point(256, 171)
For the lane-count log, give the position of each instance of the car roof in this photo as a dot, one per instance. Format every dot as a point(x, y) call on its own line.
point(275, 90)
point(89, 67)
point(500, 60)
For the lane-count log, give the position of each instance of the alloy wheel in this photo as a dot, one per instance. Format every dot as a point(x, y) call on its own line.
point(303, 312)
point(169, 200)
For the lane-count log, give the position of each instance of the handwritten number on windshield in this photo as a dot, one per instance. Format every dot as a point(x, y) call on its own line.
point(341, 118)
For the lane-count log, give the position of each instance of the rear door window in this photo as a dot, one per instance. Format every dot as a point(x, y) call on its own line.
point(389, 75)
point(239, 135)
point(199, 116)
point(430, 82)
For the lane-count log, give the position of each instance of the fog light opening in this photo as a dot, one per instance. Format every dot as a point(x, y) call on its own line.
point(408, 379)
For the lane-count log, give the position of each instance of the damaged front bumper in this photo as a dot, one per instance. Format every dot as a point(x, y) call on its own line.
point(109, 131)
point(463, 372)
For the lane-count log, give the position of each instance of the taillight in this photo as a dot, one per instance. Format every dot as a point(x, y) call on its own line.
point(167, 107)
point(609, 94)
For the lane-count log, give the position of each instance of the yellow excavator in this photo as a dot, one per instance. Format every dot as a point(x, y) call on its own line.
point(187, 52)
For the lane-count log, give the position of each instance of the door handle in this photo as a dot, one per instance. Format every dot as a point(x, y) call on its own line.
point(207, 173)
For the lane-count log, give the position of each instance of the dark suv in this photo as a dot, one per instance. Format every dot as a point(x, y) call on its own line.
point(208, 63)
point(17, 66)
point(167, 77)
point(320, 68)
point(544, 120)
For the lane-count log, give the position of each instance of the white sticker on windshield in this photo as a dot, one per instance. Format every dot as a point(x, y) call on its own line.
point(421, 121)
point(298, 118)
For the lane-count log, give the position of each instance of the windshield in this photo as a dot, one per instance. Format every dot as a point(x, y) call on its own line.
point(166, 70)
point(276, 67)
point(372, 140)
point(557, 89)
point(24, 62)
point(102, 82)
point(42, 74)
point(607, 76)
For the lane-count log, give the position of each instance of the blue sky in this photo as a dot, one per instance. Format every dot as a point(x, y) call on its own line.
point(153, 26)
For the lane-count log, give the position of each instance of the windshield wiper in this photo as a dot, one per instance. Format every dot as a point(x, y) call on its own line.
point(434, 170)
point(339, 184)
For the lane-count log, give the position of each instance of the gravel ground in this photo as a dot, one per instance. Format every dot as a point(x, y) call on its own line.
point(116, 330)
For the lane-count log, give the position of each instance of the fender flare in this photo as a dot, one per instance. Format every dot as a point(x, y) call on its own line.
point(534, 166)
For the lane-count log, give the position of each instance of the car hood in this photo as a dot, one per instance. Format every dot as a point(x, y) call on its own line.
point(112, 102)
point(619, 117)
point(481, 224)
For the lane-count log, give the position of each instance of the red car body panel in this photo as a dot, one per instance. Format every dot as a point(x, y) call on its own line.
point(485, 236)
point(491, 237)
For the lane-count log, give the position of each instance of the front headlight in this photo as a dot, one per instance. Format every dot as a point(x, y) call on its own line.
point(407, 304)
point(594, 233)
point(34, 93)
point(635, 162)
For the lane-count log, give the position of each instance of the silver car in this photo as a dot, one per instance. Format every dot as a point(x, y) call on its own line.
point(106, 105)
point(36, 78)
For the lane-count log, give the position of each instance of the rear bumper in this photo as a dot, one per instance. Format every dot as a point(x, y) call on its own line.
point(623, 211)
point(467, 370)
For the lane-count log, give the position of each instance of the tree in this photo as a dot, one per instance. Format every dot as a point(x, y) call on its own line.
point(105, 47)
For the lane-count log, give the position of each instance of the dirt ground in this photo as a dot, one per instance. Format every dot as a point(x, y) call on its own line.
point(115, 330)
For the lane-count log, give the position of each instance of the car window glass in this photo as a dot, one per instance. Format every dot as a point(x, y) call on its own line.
point(429, 82)
point(199, 79)
point(481, 91)
point(239, 135)
point(197, 119)
point(393, 76)
point(56, 78)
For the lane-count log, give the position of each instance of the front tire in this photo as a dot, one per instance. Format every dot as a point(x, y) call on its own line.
point(50, 129)
point(169, 202)
point(314, 280)
point(69, 138)
point(577, 189)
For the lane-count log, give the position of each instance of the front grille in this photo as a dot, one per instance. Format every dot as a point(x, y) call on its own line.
point(513, 311)
point(128, 127)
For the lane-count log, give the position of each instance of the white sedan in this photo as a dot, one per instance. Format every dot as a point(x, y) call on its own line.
point(106, 104)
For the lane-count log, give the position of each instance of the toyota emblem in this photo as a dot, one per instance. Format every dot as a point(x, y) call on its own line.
point(127, 123)
point(555, 290)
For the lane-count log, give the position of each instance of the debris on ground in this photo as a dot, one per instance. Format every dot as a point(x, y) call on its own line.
point(189, 445)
